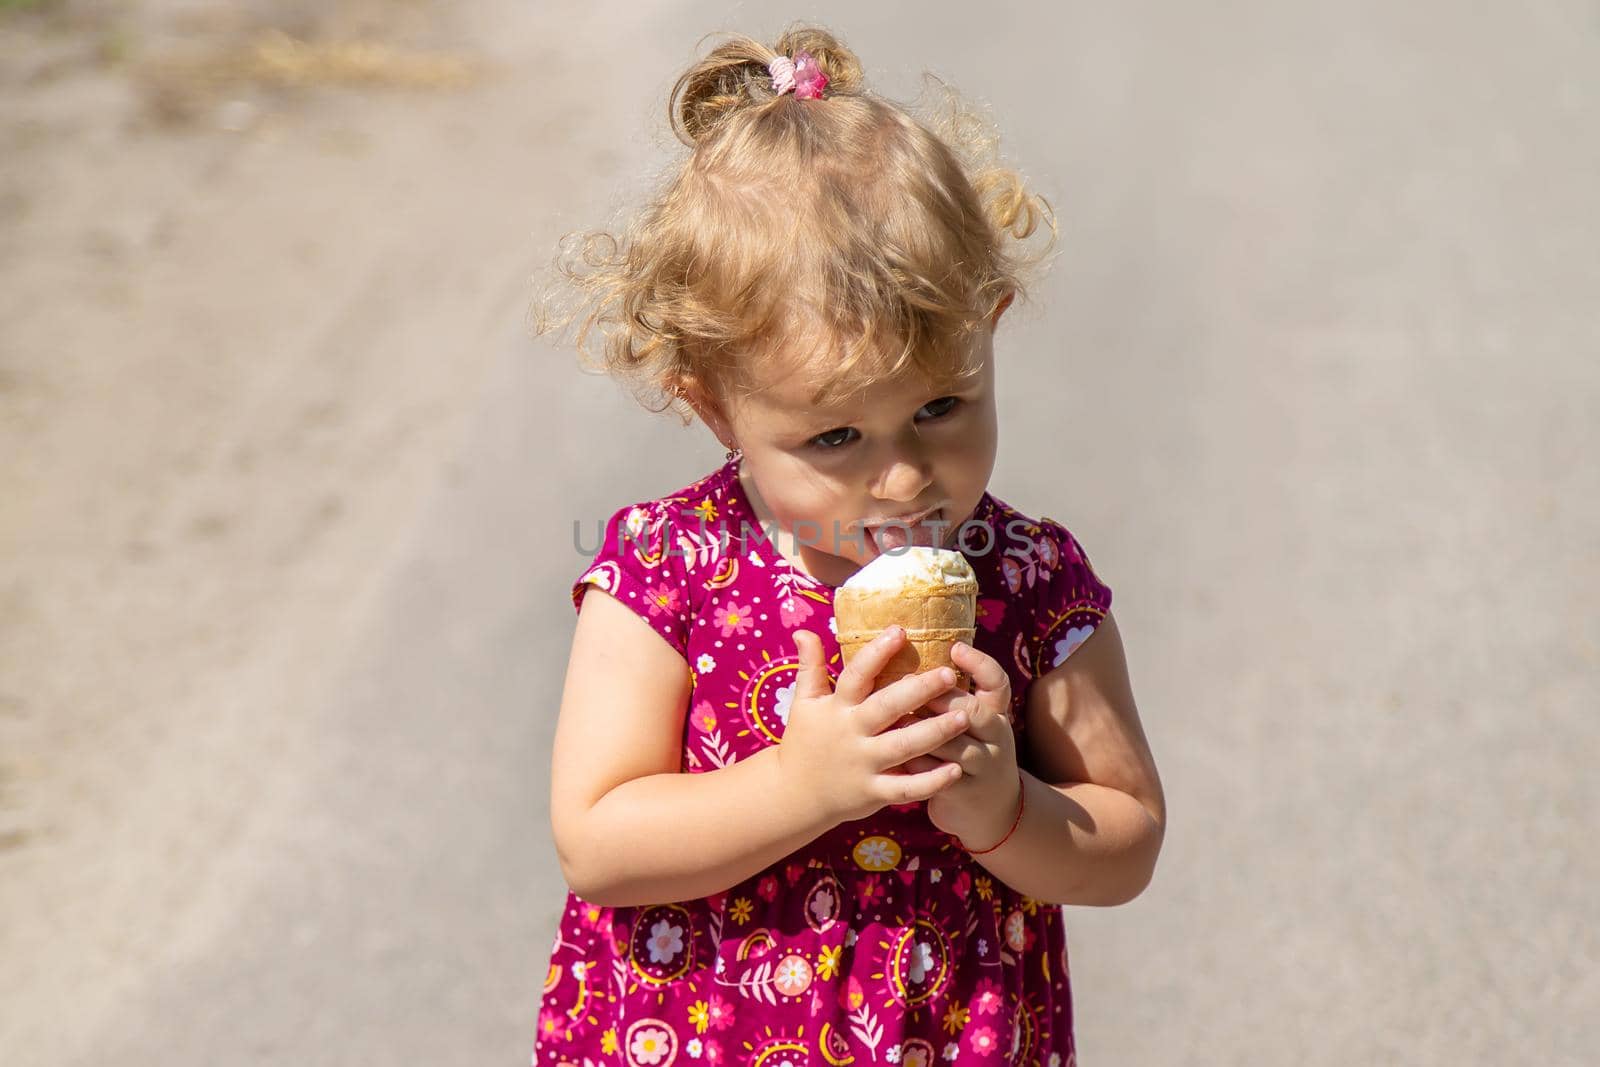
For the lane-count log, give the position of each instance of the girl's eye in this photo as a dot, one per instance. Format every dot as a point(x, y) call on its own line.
point(833, 440)
point(825, 441)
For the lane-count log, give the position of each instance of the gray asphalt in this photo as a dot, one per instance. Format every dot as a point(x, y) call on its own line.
point(1315, 381)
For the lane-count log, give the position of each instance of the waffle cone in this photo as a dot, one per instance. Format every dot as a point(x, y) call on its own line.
point(934, 618)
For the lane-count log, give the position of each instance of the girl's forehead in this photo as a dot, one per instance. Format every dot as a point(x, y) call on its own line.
point(809, 388)
point(799, 392)
point(791, 405)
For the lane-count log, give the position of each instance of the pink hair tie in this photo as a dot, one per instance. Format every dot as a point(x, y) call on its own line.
point(802, 74)
point(782, 71)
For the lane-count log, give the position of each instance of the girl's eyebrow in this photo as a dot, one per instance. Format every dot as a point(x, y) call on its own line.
point(815, 422)
point(828, 414)
point(800, 413)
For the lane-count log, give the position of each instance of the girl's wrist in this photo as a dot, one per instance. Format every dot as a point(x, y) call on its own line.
point(1022, 795)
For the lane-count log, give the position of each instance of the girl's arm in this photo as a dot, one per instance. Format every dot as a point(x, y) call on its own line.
point(1095, 814)
point(630, 827)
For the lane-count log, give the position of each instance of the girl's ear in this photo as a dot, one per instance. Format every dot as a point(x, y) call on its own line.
point(1000, 309)
point(709, 410)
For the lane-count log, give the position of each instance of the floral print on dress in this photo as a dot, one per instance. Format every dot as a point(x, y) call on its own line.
point(882, 941)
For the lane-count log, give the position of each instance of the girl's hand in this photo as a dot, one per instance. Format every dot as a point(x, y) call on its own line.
point(981, 806)
point(837, 746)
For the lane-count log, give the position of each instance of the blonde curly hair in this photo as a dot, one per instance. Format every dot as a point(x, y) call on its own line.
point(842, 227)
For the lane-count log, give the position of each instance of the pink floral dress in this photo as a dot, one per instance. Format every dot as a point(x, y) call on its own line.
point(882, 941)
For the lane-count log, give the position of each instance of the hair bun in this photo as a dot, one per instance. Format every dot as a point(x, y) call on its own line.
point(735, 75)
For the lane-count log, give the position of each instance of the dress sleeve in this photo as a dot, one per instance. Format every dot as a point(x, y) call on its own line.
point(639, 564)
point(1072, 599)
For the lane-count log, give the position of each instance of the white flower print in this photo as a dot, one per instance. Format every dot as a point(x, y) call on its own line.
point(921, 961)
point(935, 874)
point(892, 1053)
point(694, 1048)
point(874, 854)
point(650, 1045)
point(1055, 1059)
point(635, 522)
point(1069, 643)
point(785, 700)
point(833, 626)
point(666, 941)
point(1016, 930)
point(849, 938)
point(722, 964)
point(705, 664)
point(792, 971)
point(983, 947)
point(598, 577)
point(580, 969)
point(952, 1050)
point(822, 905)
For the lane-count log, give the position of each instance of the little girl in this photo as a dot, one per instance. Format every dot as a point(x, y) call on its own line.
point(770, 862)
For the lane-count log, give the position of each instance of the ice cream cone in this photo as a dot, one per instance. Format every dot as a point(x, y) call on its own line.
point(933, 597)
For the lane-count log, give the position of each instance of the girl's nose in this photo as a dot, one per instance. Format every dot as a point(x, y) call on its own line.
point(904, 481)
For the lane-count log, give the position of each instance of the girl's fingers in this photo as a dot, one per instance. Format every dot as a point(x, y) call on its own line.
point(811, 680)
point(910, 788)
point(951, 699)
point(901, 746)
point(903, 697)
point(985, 671)
point(963, 748)
point(860, 676)
point(991, 683)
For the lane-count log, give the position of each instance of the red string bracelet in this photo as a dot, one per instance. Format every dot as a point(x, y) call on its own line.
point(1022, 802)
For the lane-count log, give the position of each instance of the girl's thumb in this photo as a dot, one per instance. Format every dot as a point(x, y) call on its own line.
point(812, 679)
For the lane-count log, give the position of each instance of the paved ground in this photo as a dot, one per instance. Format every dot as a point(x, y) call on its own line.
point(1320, 360)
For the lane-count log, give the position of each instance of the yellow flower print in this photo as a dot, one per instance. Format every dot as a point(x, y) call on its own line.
point(828, 961)
point(984, 887)
point(741, 910)
point(608, 1042)
point(700, 1015)
point(955, 1018)
point(707, 510)
point(1030, 905)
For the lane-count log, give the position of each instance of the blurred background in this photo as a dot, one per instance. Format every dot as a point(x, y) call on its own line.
point(287, 493)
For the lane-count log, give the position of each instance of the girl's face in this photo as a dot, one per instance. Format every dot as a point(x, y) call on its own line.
point(829, 476)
